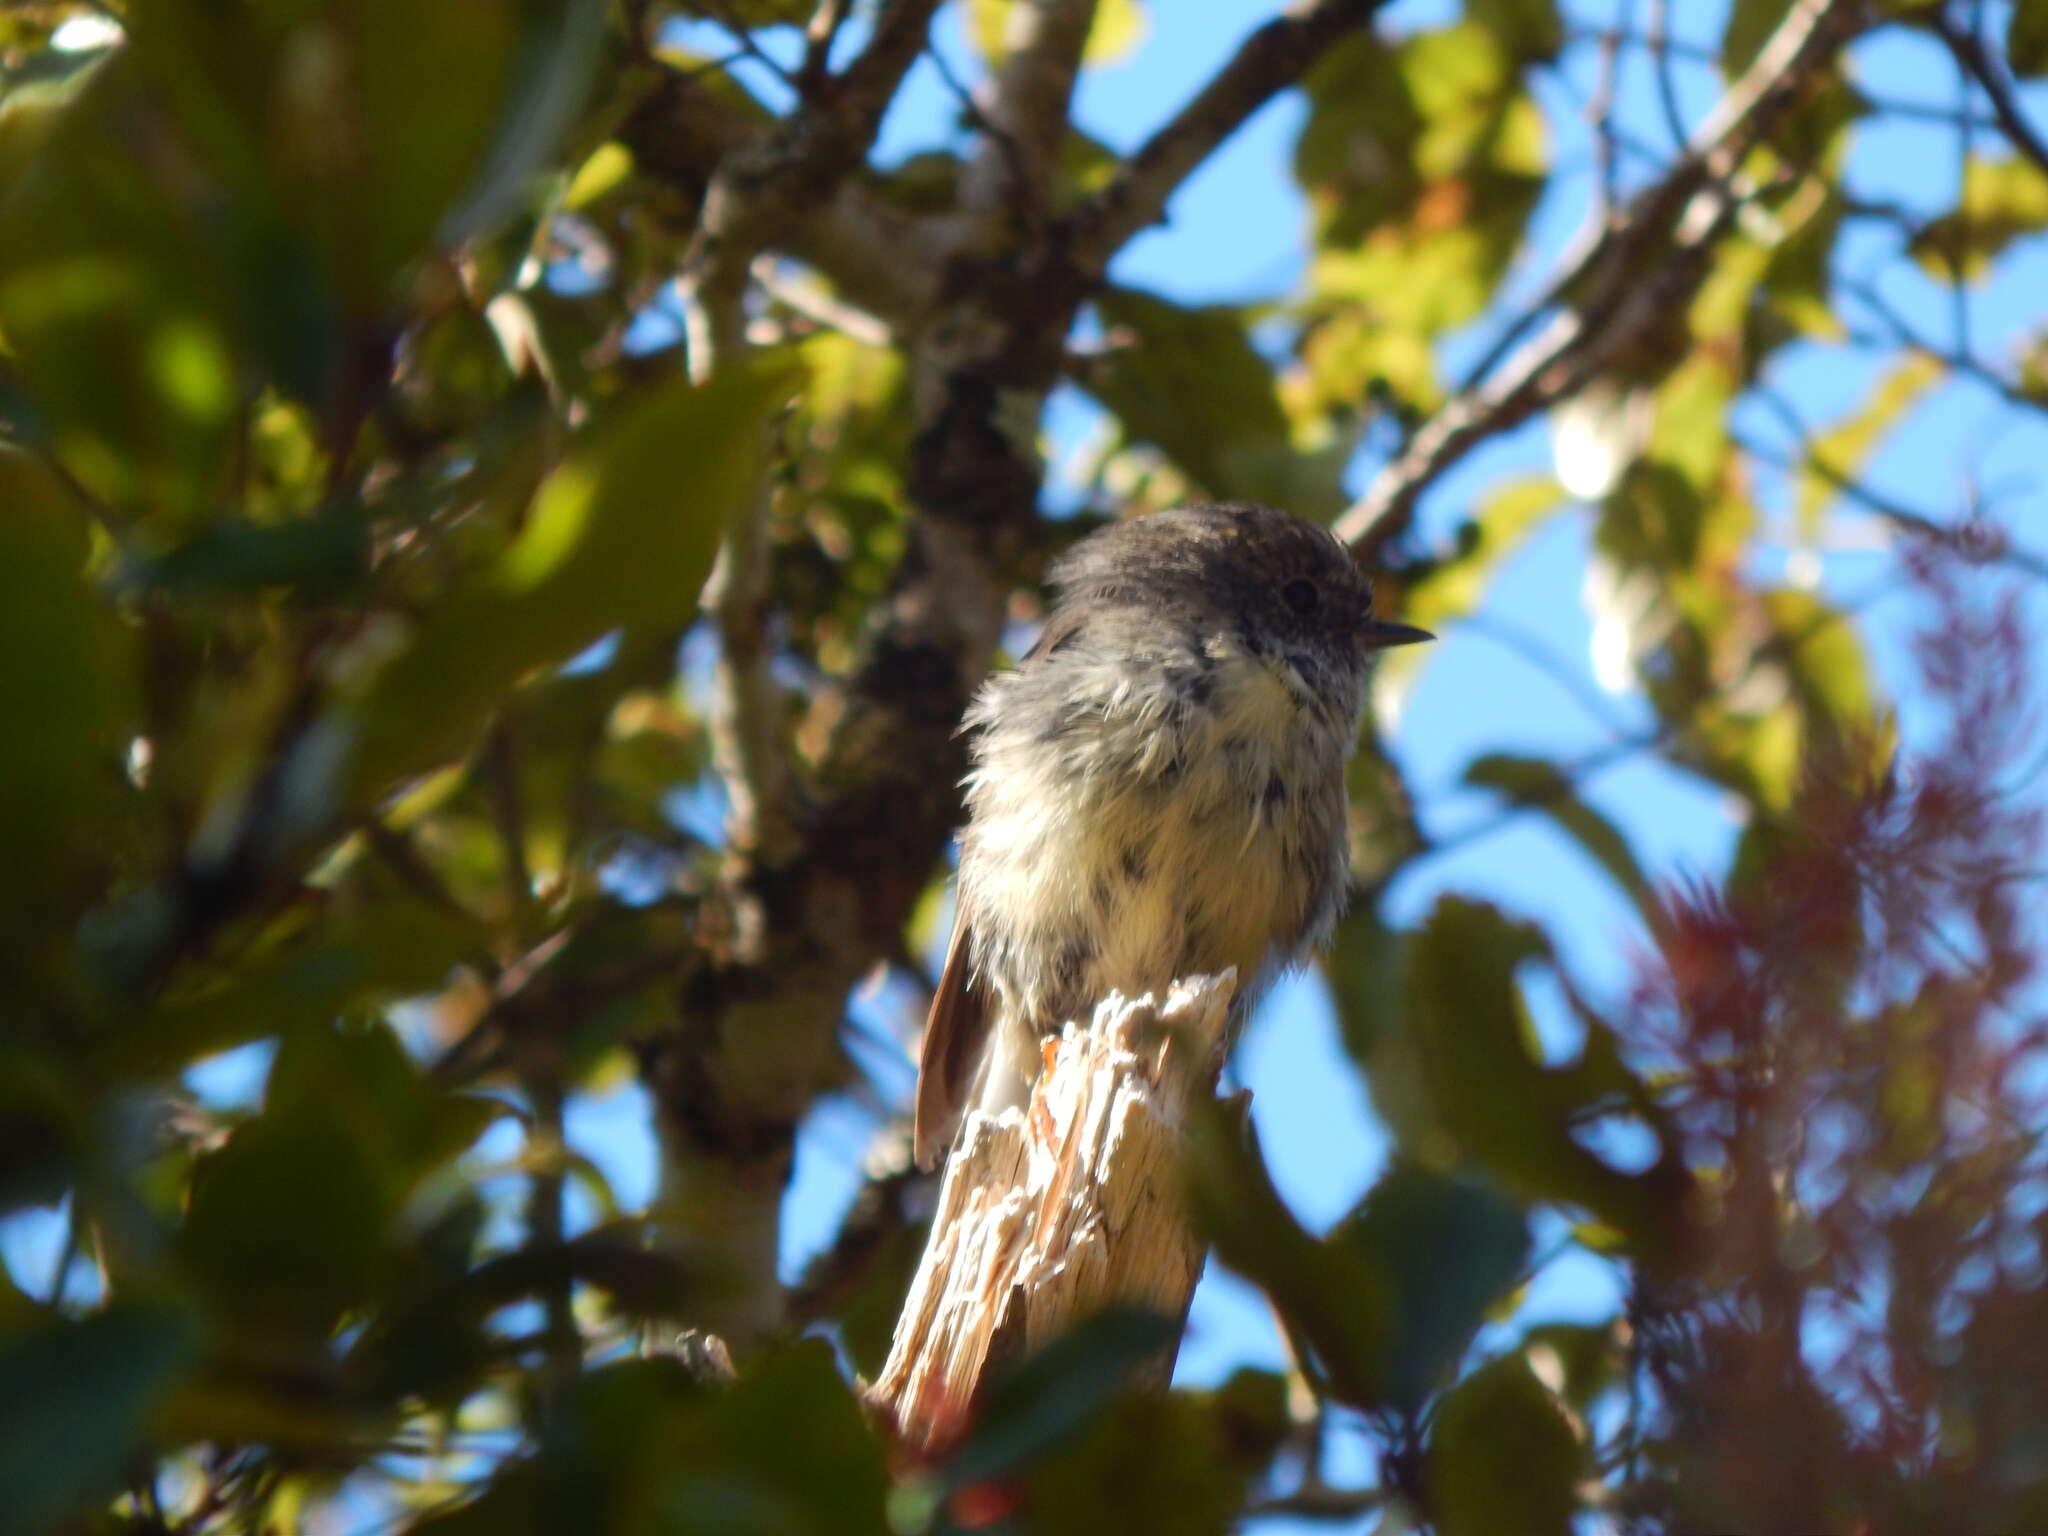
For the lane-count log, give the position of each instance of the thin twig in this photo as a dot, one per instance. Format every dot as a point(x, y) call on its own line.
point(1659, 44)
point(1600, 113)
point(1026, 107)
point(1628, 276)
point(1977, 62)
point(1269, 61)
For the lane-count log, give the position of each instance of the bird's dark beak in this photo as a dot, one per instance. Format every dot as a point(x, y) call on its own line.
point(1378, 634)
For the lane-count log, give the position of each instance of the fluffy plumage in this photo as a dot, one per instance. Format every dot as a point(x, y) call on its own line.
point(1157, 789)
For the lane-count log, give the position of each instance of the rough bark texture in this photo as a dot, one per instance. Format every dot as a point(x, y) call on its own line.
point(1049, 1214)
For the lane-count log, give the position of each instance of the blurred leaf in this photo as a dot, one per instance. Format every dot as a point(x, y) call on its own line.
point(1449, 1248)
point(2026, 41)
point(2001, 201)
point(1529, 29)
point(374, 128)
point(1838, 454)
point(1828, 670)
point(1153, 1463)
point(74, 1400)
point(353, 962)
point(113, 300)
point(1538, 784)
point(1190, 382)
point(1750, 25)
point(1504, 1458)
point(1596, 434)
point(1337, 1302)
point(622, 533)
point(1048, 1396)
point(1499, 527)
point(319, 557)
point(640, 1448)
point(1118, 28)
point(1422, 164)
point(1354, 156)
point(290, 1222)
point(1589, 1358)
point(1499, 1104)
point(65, 693)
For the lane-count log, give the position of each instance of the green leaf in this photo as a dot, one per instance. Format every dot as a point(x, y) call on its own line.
point(1355, 156)
point(2026, 42)
point(2002, 200)
point(74, 1401)
point(1190, 382)
point(1537, 783)
point(1500, 526)
point(1156, 1463)
point(1750, 25)
point(114, 301)
point(1449, 1248)
point(1118, 28)
point(621, 533)
point(1047, 1397)
point(1337, 1301)
point(377, 128)
point(290, 1222)
point(1825, 663)
point(1495, 1101)
point(1835, 456)
point(319, 557)
point(640, 1447)
point(1504, 1457)
point(353, 962)
point(65, 696)
point(1528, 29)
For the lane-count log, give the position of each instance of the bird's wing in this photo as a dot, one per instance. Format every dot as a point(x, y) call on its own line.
point(955, 1033)
point(956, 1030)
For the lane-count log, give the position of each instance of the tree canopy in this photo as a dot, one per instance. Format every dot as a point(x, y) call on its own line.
point(503, 505)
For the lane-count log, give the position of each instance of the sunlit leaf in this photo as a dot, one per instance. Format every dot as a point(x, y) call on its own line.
point(2002, 201)
point(622, 533)
point(113, 300)
point(1838, 454)
point(1119, 26)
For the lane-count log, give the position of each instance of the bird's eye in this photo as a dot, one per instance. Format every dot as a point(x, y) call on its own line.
point(1300, 596)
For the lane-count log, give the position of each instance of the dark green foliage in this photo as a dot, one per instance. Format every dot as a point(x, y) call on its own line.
point(356, 517)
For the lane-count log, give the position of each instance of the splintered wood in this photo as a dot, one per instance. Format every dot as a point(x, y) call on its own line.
point(1051, 1213)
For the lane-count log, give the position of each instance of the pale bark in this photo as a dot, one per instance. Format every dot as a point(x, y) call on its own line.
point(1054, 1212)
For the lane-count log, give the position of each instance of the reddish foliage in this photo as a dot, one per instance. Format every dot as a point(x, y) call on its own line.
point(1858, 1050)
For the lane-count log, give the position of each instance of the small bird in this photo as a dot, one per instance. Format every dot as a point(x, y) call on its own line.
point(1156, 791)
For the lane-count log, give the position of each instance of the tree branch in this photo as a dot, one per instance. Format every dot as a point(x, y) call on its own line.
point(1026, 106)
point(761, 188)
point(1053, 1213)
point(1271, 59)
point(1631, 275)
